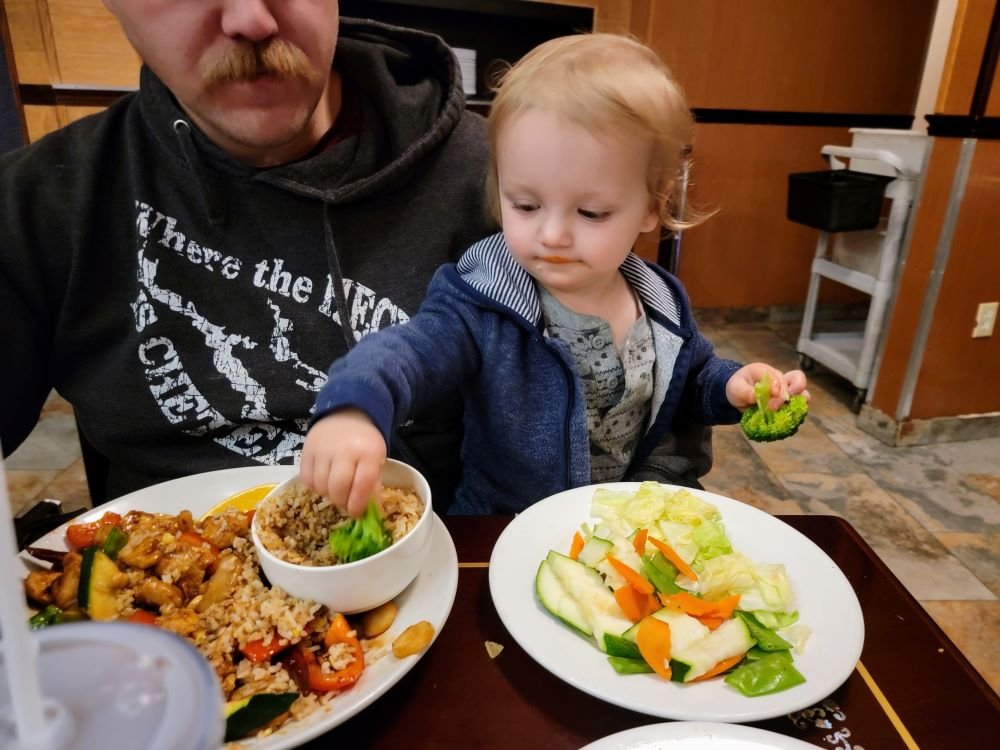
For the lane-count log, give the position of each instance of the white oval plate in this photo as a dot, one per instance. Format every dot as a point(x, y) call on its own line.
point(697, 735)
point(825, 600)
point(429, 597)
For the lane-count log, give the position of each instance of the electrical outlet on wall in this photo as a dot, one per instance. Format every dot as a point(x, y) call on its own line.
point(986, 318)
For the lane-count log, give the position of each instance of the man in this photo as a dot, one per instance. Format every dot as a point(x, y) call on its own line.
point(184, 267)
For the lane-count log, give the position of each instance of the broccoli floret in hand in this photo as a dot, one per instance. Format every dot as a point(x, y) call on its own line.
point(360, 537)
point(764, 425)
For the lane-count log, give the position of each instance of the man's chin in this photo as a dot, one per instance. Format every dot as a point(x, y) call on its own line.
point(264, 125)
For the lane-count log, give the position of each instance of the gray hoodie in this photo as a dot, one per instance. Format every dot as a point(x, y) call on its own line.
point(188, 306)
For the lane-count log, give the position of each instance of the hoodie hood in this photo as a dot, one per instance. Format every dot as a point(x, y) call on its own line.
point(411, 99)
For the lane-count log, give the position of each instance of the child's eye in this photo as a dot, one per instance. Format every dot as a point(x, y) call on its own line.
point(524, 208)
point(593, 215)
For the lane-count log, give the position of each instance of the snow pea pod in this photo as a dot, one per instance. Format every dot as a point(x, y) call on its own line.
point(766, 638)
point(770, 674)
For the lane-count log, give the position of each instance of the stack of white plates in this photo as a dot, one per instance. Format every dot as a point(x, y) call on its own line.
point(467, 64)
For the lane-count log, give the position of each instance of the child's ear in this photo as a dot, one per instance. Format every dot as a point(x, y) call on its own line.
point(657, 204)
point(651, 221)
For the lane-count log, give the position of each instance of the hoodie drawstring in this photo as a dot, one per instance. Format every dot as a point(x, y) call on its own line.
point(336, 278)
point(182, 129)
point(399, 446)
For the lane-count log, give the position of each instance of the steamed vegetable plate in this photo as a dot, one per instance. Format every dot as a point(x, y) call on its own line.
point(657, 586)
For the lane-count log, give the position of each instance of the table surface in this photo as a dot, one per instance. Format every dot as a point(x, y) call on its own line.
point(911, 689)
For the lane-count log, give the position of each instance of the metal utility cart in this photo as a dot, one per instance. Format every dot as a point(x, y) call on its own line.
point(861, 255)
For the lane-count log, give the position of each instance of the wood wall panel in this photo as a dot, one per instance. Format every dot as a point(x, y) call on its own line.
point(965, 55)
point(918, 264)
point(993, 103)
point(70, 42)
point(642, 11)
point(857, 56)
point(29, 40)
point(749, 254)
point(43, 119)
point(959, 374)
point(93, 50)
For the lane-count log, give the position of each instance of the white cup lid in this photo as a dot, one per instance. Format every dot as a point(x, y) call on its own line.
point(125, 685)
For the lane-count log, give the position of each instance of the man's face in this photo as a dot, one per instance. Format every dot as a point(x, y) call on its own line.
point(250, 73)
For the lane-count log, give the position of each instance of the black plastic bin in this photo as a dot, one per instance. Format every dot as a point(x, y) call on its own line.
point(836, 200)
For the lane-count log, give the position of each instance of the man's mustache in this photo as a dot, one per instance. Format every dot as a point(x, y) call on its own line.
point(246, 62)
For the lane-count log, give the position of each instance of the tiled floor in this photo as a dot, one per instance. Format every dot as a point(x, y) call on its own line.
point(931, 512)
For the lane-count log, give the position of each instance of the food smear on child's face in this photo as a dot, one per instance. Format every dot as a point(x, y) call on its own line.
point(573, 201)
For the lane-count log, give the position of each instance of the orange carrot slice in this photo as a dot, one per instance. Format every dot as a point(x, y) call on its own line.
point(576, 546)
point(628, 599)
point(668, 552)
point(631, 576)
point(653, 640)
point(701, 608)
point(724, 607)
point(635, 604)
point(639, 541)
point(689, 604)
point(721, 667)
point(712, 623)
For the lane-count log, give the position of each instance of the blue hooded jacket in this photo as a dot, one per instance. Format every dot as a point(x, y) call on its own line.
point(480, 330)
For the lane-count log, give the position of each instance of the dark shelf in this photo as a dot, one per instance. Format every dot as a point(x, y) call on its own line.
point(501, 31)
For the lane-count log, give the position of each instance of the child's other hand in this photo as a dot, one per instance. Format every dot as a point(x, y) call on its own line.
point(342, 459)
point(739, 389)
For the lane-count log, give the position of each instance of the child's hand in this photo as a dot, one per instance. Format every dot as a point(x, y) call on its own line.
point(342, 459)
point(739, 389)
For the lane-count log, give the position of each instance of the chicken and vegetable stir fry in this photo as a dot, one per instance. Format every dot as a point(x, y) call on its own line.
point(276, 657)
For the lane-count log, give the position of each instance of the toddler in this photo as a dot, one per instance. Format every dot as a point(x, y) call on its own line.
point(573, 356)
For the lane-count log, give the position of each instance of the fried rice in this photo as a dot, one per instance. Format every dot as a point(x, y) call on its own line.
point(210, 591)
point(294, 525)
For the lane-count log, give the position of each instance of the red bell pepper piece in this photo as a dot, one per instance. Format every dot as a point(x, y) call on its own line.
point(81, 535)
point(263, 649)
point(305, 667)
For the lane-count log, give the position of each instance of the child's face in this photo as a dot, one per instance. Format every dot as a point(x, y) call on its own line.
point(572, 202)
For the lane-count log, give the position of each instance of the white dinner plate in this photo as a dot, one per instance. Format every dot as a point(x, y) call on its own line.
point(825, 601)
point(697, 735)
point(429, 597)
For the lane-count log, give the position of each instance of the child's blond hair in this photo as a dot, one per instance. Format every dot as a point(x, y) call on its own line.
point(603, 82)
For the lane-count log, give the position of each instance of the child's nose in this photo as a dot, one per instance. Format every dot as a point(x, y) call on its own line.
point(554, 231)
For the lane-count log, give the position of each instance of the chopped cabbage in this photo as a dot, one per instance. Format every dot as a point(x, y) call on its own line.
point(775, 620)
point(626, 511)
point(797, 635)
point(710, 536)
point(761, 586)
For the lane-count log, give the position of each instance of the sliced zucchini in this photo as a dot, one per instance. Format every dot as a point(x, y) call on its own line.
point(100, 580)
point(554, 597)
point(247, 715)
point(594, 550)
point(616, 645)
point(114, 542)
point(731, 638)
point(596, 601)
point(684, 629)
